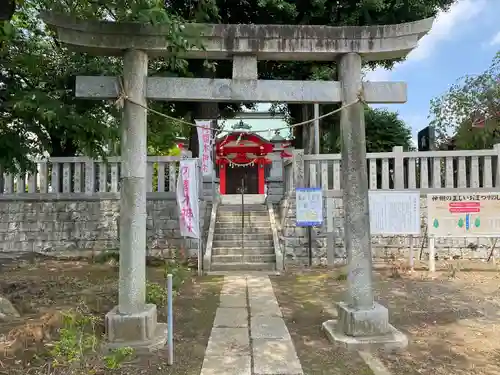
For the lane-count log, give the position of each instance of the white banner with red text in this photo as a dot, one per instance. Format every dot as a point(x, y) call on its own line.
point(187, 198)
point(205, 145)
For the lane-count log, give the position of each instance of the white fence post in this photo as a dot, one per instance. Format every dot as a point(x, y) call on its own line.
point(399, 176)
point(497, 168)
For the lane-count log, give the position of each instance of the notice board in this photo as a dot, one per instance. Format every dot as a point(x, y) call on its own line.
point(309, 207)
point(473, 214)
point(394, 212)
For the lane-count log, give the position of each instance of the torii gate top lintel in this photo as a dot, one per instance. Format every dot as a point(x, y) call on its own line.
point(266, 42)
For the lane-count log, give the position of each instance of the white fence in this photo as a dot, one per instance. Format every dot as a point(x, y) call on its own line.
point(84, 175)
point(426, 171)
point(430, 171)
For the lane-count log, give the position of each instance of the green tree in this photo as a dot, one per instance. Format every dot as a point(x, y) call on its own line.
point(469, 112)
point(34, 116)
point(39, 112)
point(7, 10)
point(301, 12)
point(384, 130)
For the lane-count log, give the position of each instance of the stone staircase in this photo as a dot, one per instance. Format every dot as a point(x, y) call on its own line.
point(249, 248)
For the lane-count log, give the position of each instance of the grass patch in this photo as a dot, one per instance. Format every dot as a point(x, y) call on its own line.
point(62, 306)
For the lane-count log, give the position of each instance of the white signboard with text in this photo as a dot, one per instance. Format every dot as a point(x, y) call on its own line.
point(309, 207)
point(187, 198)
point(474, 214)
point(394, 212)
point(205, 145)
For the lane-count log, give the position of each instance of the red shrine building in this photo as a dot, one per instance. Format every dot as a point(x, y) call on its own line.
point(245, 159)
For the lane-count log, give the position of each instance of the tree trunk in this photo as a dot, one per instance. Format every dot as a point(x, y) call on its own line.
point(308, 129)
point(62, 147)
point(7, 10)
point(202, 111)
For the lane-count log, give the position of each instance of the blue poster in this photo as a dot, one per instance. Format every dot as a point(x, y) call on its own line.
point(309, 207)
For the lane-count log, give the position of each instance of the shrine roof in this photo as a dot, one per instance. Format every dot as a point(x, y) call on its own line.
point(248, 136)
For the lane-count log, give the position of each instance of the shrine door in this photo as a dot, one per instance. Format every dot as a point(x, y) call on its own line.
point(235, 174)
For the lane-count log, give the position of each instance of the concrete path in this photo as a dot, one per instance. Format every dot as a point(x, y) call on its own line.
point(249, 336)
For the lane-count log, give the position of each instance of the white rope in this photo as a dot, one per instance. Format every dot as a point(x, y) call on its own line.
point(123, 96)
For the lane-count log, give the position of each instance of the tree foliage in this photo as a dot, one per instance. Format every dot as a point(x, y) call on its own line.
point(39, 113)
point(306, 12)
point(384, 130)
point(474, 100)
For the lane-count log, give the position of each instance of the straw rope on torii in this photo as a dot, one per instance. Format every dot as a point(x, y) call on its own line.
point(122, 96)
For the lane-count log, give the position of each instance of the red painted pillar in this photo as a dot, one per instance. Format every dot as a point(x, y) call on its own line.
point(261, 179)
point(222, 178)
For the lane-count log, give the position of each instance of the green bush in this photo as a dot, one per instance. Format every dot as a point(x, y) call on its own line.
point(156, 294)
point(77, 350)
point(180, 273)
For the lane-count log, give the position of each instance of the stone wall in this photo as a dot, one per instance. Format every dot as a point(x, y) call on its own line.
point(295, 241)
point(86, 223)
point(275, 189)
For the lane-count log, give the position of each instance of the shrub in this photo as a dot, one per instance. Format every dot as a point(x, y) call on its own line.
point(180, 273)
point(156, 294)
point(77, 350)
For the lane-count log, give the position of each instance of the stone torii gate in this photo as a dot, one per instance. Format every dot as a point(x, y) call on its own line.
point(132, 322)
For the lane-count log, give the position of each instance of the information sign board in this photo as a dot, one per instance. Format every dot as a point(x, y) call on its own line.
point(394, 212)
point(309, 207)
point(473, 214)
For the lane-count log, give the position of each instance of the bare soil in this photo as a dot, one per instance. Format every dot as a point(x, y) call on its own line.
point(41, 290)
point(452, 318)
point(300, 299)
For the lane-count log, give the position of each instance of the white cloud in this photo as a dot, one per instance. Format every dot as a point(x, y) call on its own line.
point(378, 75)
point(444, 28)
point(446, 25)
point(495, 40)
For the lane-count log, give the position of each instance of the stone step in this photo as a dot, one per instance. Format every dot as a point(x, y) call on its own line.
point(232, 217)
point(239, 215)
point(246, 222)
point(261, 231)
point(246, 258)
point(247, 244)
point(235, 208)
point(235, 199)
point(247, 210)
point(236, 225)
point(239, 251)
point(243, 266)
point(239, 219)
point(246, 237)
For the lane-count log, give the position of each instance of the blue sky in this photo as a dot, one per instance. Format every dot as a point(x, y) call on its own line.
point(462, 41)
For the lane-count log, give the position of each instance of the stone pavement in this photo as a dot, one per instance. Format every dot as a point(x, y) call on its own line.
point(249, 335)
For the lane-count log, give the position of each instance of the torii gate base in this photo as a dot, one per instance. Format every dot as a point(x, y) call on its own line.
point(362, 322)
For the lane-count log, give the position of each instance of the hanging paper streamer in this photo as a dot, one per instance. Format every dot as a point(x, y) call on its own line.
point(233, 164)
